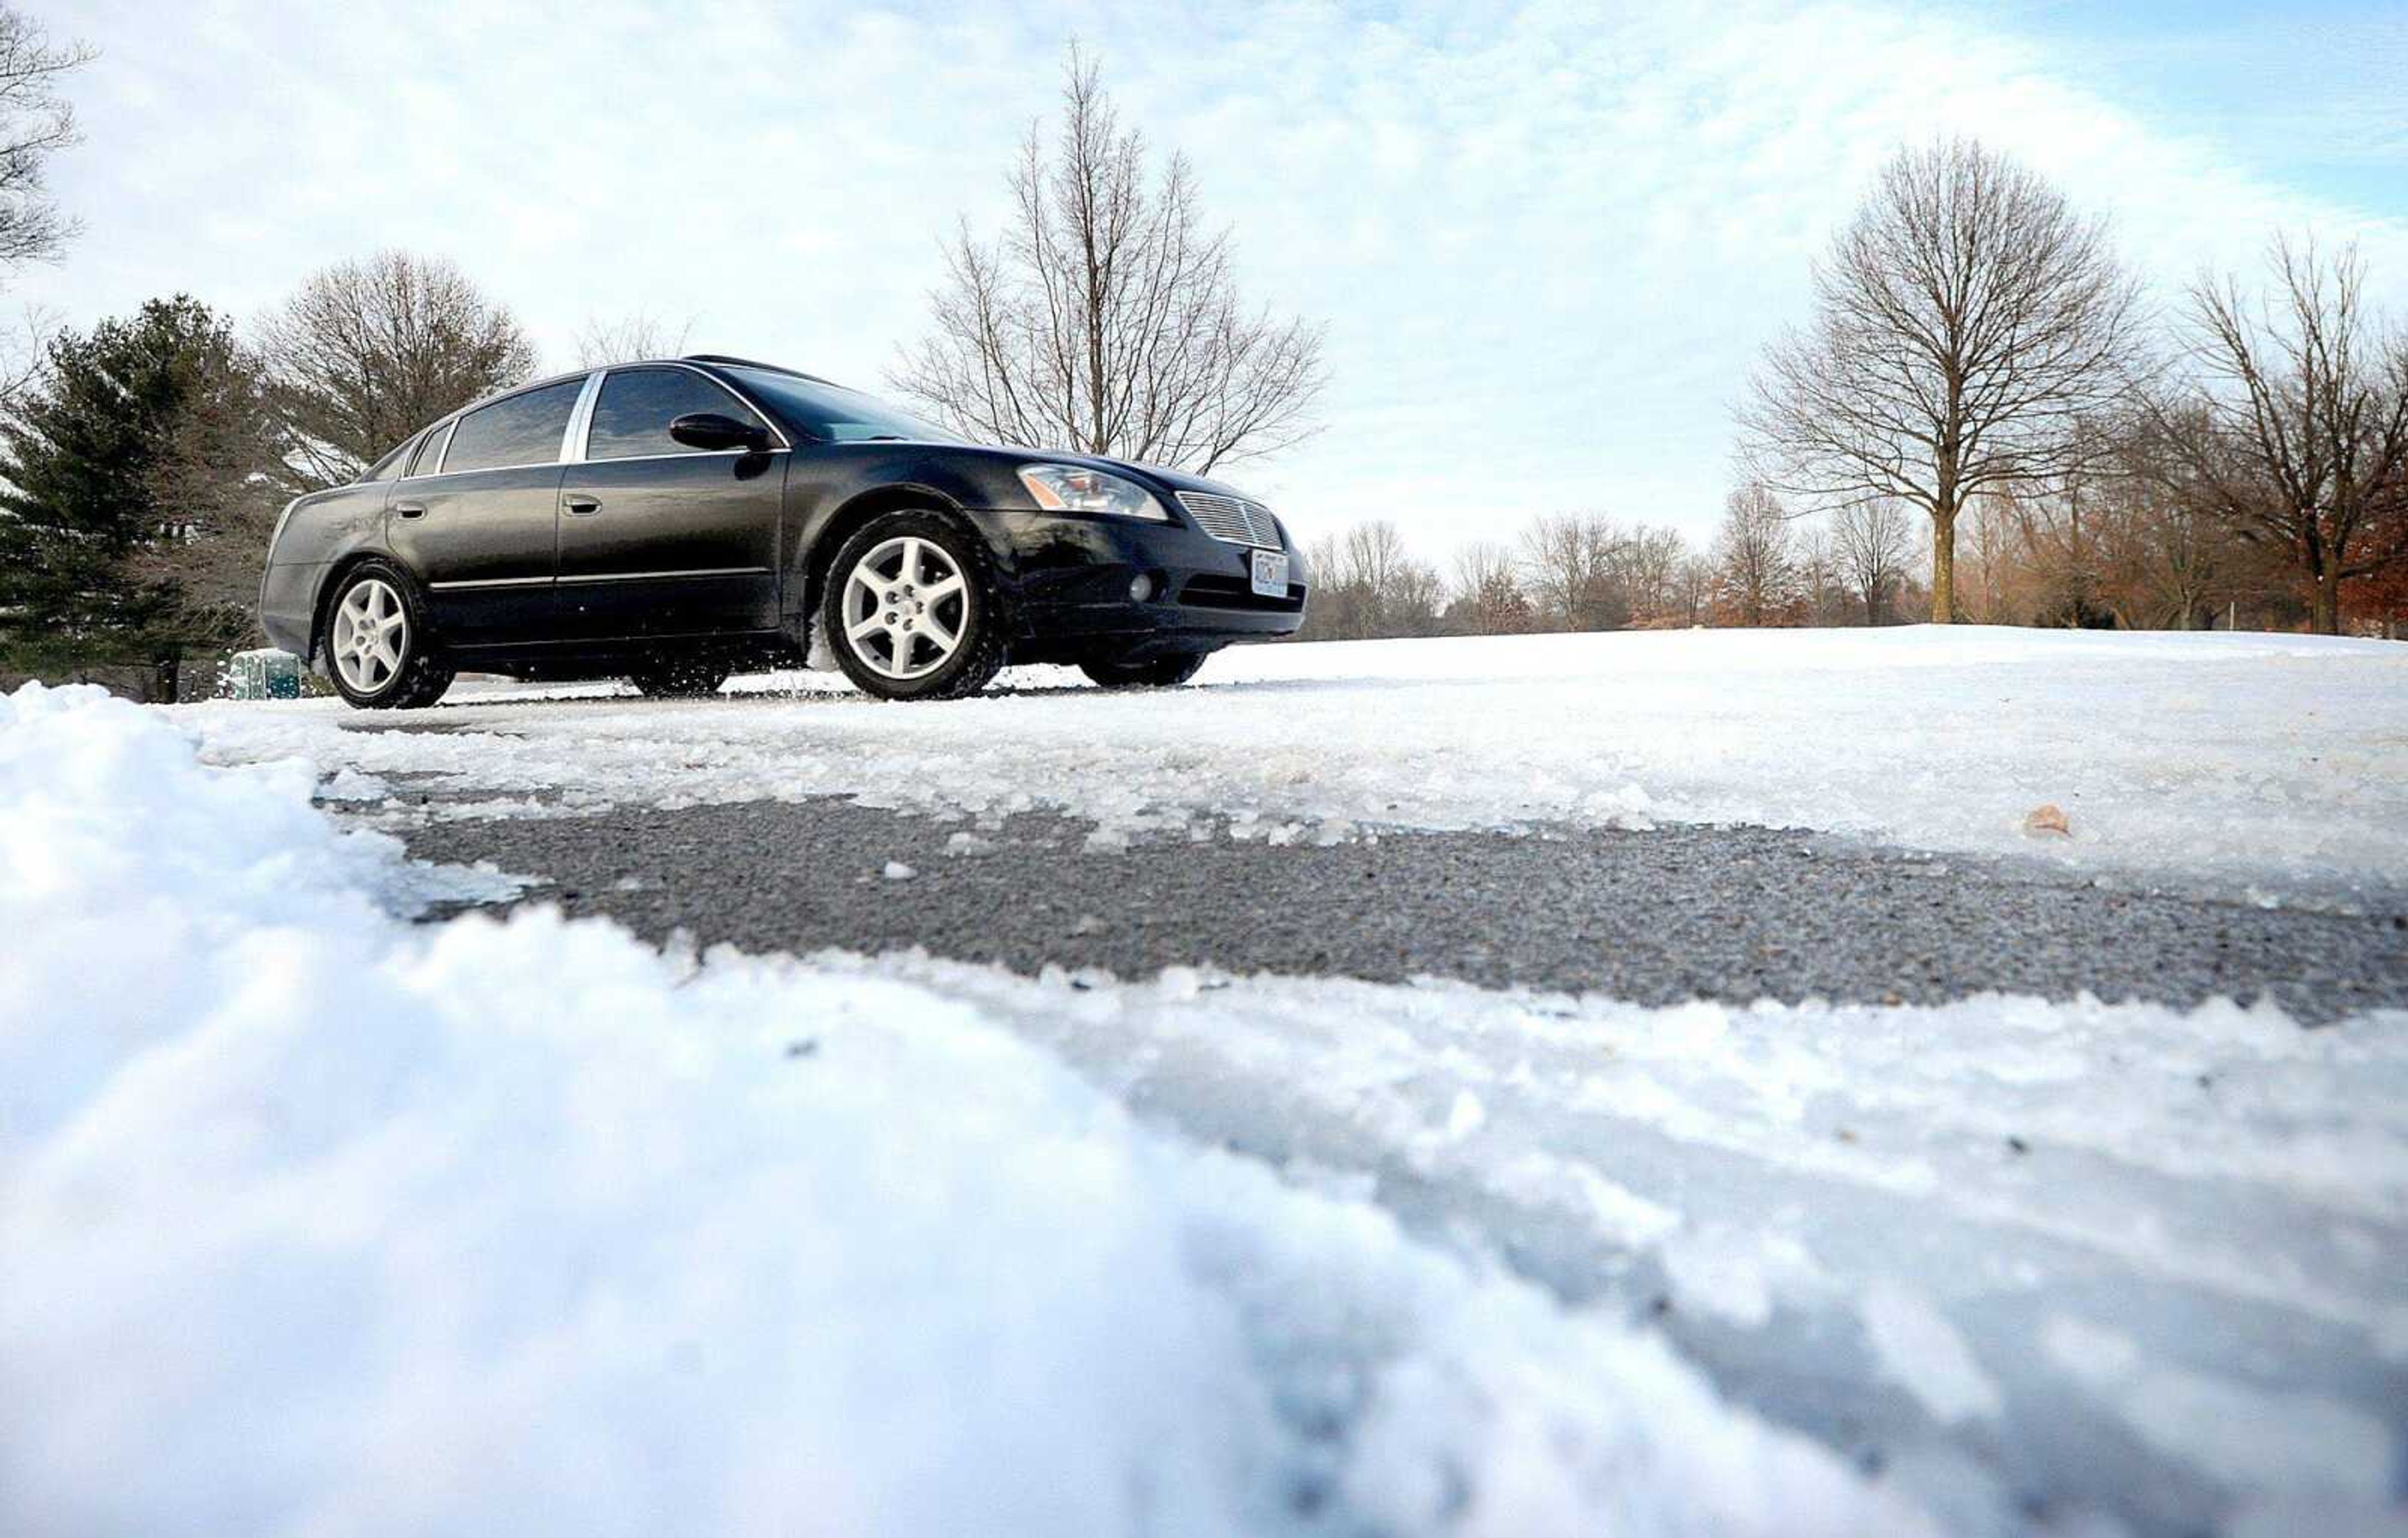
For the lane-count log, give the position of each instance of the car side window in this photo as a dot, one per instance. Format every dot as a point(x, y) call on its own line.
point(428, 461)
point(522, 430)
point(385, 468)
point(632, 415)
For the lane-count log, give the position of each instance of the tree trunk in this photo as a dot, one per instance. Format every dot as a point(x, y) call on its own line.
point(1943, 567)
point(2324, 606)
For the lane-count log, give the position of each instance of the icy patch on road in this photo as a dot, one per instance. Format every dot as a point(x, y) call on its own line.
point(314, 1220)
point(2261, 759)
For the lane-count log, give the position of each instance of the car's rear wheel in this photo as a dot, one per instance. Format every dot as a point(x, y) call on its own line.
point(680, 678)
point(379, 647)
point(911, 611)
point(1151, 673)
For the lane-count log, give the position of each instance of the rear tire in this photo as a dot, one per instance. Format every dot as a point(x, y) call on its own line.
point(380, 652)
point(680, 678)
point(1151, 673)
point(910, 609)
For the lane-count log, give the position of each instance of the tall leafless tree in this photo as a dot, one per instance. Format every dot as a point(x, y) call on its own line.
point(35, 122)
point(367, 352)
point(1488, 597)
point(1965, 320)
point(1105, 318)
point(629, 339)
point(1756, 567)
point(1568, 561)
point(1872, 542)
point(2297, 427)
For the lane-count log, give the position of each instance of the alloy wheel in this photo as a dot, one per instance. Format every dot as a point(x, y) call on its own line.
point(371, 635)
point(906, 607)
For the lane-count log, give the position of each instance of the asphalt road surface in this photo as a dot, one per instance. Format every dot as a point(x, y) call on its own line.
point(1659, 917)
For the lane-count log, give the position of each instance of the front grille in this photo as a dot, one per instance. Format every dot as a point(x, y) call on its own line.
point(1232, 520)
point(1236, 593)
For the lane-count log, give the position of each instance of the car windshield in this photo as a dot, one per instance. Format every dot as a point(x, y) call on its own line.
point(835, 413)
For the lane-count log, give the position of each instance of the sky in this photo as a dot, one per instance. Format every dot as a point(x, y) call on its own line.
point(1547, 242)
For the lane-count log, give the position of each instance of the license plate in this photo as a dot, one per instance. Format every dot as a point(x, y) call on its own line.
point(1270, 574)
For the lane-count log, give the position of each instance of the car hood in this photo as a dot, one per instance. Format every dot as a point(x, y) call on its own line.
point(1153, 476)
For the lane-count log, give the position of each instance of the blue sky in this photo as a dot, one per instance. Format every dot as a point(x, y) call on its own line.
point(1547, 240)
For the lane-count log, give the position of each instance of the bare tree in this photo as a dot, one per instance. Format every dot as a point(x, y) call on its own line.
point(1488, 597)
point(36, 121)
point(1872, 544)
point(1568, 563)
point(1756, 567)
point(1105, 318)
point(1964, 320)
point(1366, 584)
point(367, 352)
point(2297, 431)
point(35, 124)
point(1694, 588)
point(630, 338)
point(1645, 565)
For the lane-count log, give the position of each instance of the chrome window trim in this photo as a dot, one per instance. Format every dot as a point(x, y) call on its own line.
point(581, 420)
point(698, 454)
point(492, 469)
point(580, 452)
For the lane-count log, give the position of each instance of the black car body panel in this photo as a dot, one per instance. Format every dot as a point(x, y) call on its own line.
point(571, 568)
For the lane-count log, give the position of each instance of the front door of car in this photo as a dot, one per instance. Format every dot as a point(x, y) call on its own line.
point(477, 518)
point(658, 538)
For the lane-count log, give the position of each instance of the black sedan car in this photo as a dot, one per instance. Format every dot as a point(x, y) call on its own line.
point(672, 521)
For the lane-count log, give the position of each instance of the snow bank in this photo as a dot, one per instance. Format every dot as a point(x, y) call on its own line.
point(313, 1221)
point(2249, 759)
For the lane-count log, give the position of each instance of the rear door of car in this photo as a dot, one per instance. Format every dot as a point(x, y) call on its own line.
point(478, 519)
point(657, 538)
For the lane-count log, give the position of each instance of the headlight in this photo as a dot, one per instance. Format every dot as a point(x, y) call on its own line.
point(1074, 489)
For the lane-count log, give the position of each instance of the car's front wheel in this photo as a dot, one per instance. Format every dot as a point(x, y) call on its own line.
point(379, 647)
point(1153, 673)
point(911, 612)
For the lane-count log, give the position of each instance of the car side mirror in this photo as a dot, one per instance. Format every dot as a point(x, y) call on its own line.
point(709, 430)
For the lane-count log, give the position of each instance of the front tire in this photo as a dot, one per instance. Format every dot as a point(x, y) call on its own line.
point(1151, 673)
point(910, 609)
point(379, 647)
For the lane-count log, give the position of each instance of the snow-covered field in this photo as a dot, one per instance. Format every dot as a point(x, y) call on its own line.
point(2257, 762)
point(314, 1219)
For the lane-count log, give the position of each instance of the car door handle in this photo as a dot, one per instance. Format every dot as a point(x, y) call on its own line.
point(581, 507)
point(410, 509)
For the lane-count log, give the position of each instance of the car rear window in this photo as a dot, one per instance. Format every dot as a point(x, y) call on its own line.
point(632, 415)
point(522, 430)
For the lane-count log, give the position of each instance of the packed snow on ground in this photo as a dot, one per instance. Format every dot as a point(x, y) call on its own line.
point(311, 1220)
point(2259, 763)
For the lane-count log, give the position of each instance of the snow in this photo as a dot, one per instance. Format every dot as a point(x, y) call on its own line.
point(2262, 762)
point(1915, 1346)
point(348, 1223)
point(316, 1220)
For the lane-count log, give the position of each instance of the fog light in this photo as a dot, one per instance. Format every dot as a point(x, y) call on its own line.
point(1140, 588)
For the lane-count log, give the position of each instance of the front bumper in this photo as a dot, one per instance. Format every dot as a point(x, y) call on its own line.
point(1067, 581)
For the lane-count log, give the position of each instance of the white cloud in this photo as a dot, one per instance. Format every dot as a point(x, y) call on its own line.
point(1547, 245)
